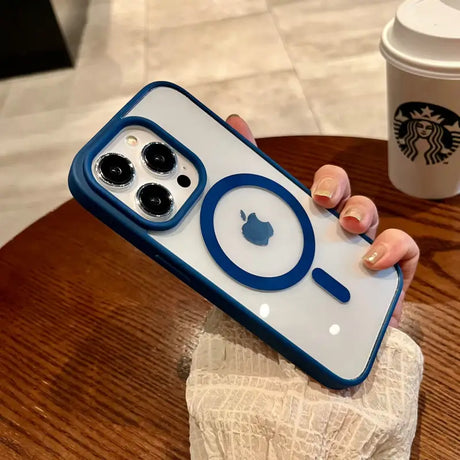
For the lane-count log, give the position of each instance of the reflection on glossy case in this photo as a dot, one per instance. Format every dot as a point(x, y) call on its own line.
point(251, 240)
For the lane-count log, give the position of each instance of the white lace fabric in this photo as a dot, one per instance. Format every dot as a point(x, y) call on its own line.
point(247, 402)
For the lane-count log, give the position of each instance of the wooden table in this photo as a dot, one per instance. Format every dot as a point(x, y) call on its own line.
point(96, 339)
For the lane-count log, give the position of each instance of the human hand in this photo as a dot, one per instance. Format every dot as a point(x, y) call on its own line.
point(358, 214)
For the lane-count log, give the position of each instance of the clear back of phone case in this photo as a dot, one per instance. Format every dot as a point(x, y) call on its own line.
point(274, 247)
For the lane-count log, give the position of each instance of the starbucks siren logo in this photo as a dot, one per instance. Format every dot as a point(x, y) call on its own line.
point(426, 131)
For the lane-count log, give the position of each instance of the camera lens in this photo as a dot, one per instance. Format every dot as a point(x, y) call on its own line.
point(159, 157)
point(115, 169)
point(155, 199)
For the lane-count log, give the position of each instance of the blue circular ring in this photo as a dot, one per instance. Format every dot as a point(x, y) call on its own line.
point(274, 283)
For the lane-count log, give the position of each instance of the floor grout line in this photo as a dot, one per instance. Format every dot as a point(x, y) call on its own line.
point(315, 116)
point(212, 21)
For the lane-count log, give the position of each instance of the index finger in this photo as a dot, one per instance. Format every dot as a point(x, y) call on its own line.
point(331, 187)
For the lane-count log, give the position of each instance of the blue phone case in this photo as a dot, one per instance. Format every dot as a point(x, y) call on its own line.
point(248, 237)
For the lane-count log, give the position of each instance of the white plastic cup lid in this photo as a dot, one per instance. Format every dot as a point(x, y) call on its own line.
point(424, 38)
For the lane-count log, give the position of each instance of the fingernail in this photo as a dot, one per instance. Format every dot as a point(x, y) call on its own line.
point(326, 187)
point(352, 212)
point(374, 254)
point(233, 115)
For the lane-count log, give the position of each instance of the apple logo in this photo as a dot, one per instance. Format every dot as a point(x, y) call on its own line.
point(256, 231)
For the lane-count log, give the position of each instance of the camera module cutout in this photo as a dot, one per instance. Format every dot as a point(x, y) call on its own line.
point(145, 174)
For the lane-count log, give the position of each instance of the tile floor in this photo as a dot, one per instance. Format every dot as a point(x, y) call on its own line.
point(288, 67)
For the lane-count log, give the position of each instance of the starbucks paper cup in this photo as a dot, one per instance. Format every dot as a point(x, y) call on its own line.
point(422, 49)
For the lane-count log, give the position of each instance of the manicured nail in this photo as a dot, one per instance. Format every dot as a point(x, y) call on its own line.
point(325, 187)
point(374, 254)
point(352, 212)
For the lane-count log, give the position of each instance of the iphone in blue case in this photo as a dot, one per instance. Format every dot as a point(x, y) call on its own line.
point(185, 188)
